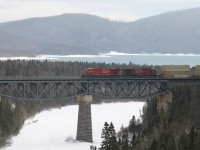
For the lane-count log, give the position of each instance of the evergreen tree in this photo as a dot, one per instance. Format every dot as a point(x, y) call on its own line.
point(133, 142)
point(119, 143)
point(112, 138)
point(125, 141)
point(109, 137)
point(93, 147)
point(105, 136)
point(154, 145)
point(132, 124)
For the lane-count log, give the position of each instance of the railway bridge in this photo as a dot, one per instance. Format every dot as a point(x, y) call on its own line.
point(62, 88)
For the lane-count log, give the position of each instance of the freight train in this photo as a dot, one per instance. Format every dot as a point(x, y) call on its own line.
point(118, 72)
point(165, 71)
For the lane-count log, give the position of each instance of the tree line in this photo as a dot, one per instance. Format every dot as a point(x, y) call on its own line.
point(53, 68)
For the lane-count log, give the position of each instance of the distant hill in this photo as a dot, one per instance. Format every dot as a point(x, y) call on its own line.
point(173, 32)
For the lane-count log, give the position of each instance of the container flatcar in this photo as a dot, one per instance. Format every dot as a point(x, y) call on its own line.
point(175, 71)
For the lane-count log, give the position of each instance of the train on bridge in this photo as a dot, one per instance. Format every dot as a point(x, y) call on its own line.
point(165, 71)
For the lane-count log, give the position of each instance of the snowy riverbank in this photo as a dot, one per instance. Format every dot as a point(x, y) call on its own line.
point(49, 129)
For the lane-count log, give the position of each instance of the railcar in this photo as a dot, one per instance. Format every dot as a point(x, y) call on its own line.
point(175, 71)
point(100, 72)
point(197, 71)
point(145, 72)
point(118, 72)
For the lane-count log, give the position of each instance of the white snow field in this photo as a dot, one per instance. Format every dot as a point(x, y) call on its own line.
point(49, 129)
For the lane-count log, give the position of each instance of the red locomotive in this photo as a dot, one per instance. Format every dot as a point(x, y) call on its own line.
point(100, 71)
point(145, 72)
point(118, 72)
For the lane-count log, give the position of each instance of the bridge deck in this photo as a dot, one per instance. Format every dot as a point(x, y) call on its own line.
point(78, 78)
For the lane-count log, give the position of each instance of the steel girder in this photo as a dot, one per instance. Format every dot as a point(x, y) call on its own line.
point(128, 89)
point(57, 90)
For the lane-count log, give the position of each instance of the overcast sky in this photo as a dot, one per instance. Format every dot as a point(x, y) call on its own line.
point(121, 10)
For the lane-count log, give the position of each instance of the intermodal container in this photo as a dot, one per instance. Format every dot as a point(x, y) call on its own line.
point(197, 72)
point(173, 68)
point(175, 71)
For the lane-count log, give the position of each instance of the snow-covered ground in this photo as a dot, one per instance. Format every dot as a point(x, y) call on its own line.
point(49, 129)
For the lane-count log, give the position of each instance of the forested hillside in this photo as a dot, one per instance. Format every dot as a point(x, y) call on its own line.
point(173, 32)
point(175, 129)
point(178, 128)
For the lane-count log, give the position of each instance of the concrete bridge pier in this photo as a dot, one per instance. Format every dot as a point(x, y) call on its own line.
point(163, 101)
point(84, 127)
